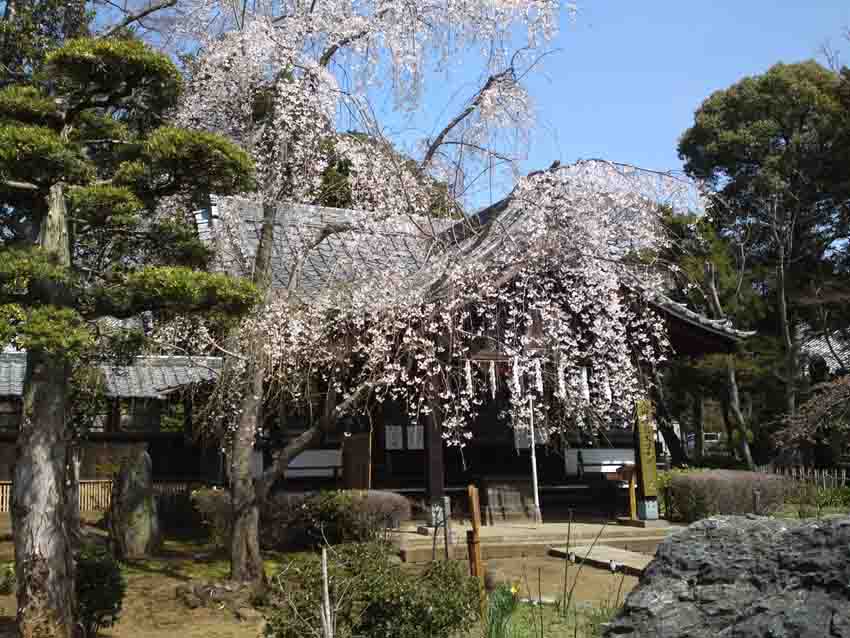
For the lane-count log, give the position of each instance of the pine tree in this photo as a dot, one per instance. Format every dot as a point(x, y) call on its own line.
point(95, 223)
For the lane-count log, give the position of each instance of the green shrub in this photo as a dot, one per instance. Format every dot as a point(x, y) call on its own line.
point(215, 511)
point(289, 522)
point(501, 604)
point(372, 596)
point(694, 495)
point(331, 518)
point(100, 590)
point(179, 516)
point(809, 500)
point(8, 579)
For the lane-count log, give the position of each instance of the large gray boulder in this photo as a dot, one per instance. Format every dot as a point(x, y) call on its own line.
point(133, 517)
point(744, 577)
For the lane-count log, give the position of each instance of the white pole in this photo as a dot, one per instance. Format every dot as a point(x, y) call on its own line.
point(538, 518)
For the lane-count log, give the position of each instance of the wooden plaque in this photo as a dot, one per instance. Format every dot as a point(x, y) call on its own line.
point(646, 449)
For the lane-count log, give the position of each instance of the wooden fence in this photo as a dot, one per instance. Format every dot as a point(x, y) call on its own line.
point(95, 496)
point(826, 477)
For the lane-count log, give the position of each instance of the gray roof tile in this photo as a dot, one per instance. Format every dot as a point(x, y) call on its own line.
point(147, 378)
point(418, 248)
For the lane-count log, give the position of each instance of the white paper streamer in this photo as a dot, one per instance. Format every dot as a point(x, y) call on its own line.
point(517, 387)
point(493, 379)
point(585, 387)
point(538, 375)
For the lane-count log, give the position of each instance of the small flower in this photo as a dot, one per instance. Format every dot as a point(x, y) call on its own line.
point(514, 590)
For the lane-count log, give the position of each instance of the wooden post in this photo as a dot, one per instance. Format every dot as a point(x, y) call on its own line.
point(434, 464)
point(473, 543)
point(632, 496)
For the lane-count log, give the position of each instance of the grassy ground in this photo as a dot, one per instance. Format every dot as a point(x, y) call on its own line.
point(151, 608)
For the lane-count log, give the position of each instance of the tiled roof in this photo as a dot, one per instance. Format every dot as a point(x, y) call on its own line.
point(340, 246)
point(360, 248)
point(146, 378)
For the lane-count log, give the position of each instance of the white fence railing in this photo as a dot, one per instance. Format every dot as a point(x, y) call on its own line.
point(96, 495)
point(827, 477)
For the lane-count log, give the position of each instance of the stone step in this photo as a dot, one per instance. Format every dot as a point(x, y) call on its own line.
point(606, 557)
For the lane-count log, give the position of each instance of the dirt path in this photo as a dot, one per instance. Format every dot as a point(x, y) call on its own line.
point(539, 576)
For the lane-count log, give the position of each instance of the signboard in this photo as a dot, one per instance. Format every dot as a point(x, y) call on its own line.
point(646, 449)
point(415, 437)
point(522, 438)
point(394, 440)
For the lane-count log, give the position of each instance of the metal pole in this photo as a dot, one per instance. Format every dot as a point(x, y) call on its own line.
point(538, 518)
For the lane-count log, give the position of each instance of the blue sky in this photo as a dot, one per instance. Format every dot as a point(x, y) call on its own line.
point(631, 73)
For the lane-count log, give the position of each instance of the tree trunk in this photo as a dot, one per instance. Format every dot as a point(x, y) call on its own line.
point(678, 453)
point(44, 565)
point(699, 425)
point(786, 331)
point(72, 494)
point(731, 378)
point(699, 434)
point(246, 562)
point(730, 430)
point(735, 407)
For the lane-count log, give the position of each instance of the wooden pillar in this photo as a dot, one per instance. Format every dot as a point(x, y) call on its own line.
point(435, 468)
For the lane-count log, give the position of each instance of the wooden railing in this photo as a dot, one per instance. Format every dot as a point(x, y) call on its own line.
point(96, 495)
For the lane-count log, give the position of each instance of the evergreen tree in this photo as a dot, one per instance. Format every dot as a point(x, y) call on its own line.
point(95, 224)
point(775, 148)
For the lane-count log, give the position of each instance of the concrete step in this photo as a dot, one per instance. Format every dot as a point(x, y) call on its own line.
point(605, 557)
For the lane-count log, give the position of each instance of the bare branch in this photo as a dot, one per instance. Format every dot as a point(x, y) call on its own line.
point(460, 117)
point(136, 17)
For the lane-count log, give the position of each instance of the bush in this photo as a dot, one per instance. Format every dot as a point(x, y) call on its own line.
point(331, 518)
point(100, 589)
point(215, 511)
point(179, 516)
point(694, 495)
point(289, 522)
point(501, 604)
point(8, 579)
point(372, 596)
point(810, 500)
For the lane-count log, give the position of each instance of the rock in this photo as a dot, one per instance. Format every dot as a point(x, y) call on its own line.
point(186, 594)
point(746, 577)
point(133, 517)
point(248, 614)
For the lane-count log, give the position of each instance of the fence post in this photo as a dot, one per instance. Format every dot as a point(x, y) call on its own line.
point(756, 501)
point(473, 543)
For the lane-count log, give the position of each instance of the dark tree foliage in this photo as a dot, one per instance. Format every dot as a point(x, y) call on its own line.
point(96, 226)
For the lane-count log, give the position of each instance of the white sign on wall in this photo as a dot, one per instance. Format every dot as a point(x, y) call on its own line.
point(415, 437)
point(394, 437)
point(522, 438)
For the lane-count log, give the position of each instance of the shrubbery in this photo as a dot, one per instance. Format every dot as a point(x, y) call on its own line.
point(304, 522)
point(338, 517)
point(100, 589)
point(215, 511)
point(807, 499)
point(373, 597)
point(696, 494)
